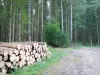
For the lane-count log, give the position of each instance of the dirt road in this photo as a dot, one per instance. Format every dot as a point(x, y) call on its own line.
point(85, 61)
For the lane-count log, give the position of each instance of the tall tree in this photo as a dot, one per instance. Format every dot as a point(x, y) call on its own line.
point(42, 23)
point(10, 21)
point(71, 23)
point(62, 25)
point(29, 17)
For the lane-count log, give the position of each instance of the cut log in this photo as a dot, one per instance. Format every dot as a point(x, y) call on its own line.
point(21, 63)
point(8, 64)
point(22, 52)
point(0, 58)
point(17, 58)
point(28, 63)
point(38, 59)
point(34, 51)
point(3, 73)
point(23, 57)
point(14, 63)
point(16, 51)
point(12, 45)
point(5, 58)
point(12, 57)
point(12, 67)
point(36, 55)
point(3, 53)
point(27, 53)
point(19, 54)
point(44, 54)
point(10, 52)
point(2, 63)
point(4, 69)
point(27, 58)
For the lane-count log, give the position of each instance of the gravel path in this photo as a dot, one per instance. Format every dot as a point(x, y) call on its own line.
point(85, 61)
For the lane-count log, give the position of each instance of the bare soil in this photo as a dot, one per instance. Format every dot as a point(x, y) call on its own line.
point(85, 61)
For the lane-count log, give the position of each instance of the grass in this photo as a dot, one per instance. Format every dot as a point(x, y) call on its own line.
point(39, 67)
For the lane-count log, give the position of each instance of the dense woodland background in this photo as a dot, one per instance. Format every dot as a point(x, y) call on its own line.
point(37, 20)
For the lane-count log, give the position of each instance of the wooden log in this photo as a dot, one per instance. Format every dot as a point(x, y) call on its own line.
point(17, 58)
point(33, 59)
point(23, 57)
point(30, 58)
point(3, 73)
point(8, 64)
point(1, 58)
point(16, 66)
point(34, 44)
point(12, 67)
point(14, 63)
point(9, 49)
point(31, 53)
point(22, 52)
point(5, 58)
point(38, 59)
point(2, 63)
point(27, 46)
point(10, 52)
point(16, 51)
point(21, 63)
point(28, 63)
point(12, 57)
point(12, 45)
point(44, 54)
point(27, 58)
point(34, 52)
point(3, 53)
point(4, 69)
point(36, 55)
point(27, 53)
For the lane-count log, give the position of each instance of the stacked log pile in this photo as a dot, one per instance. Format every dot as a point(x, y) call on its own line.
point(15, 55)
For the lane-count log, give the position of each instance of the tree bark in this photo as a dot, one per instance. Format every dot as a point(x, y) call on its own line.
point(29, 24)
point(71, 23)
point(10, 22)
point(62, 16)
point(42, 23)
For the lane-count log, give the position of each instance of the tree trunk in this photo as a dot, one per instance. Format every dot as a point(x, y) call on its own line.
point(19, 25)
point(13, 32)
point(49, 9)
point(71, 24)
point(38, 23)
point(98, 40)
point(29, 24)
point(10, 22)
point(42, 23)
point(62, 16)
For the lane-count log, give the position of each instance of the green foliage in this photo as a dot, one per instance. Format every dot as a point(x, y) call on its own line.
point(62, 39)
point(51, 31)
point(54, 36)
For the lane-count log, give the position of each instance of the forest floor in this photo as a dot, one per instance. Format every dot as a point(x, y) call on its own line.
point(83, 61)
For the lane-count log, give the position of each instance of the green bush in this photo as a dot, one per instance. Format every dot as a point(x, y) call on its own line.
point(54, 36)
point(62, 39)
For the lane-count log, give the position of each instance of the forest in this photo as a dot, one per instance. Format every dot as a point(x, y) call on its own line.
point(57, 22)
point(35, 34)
